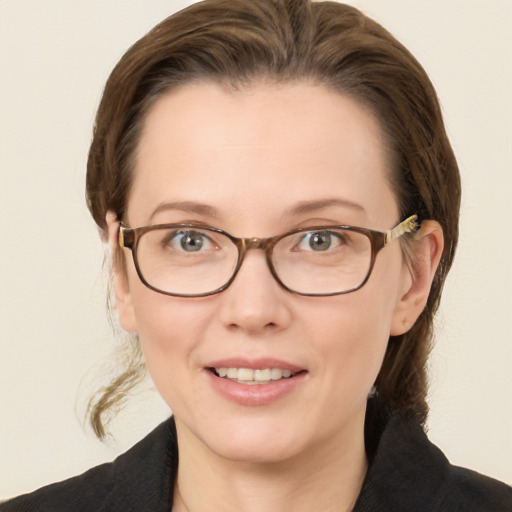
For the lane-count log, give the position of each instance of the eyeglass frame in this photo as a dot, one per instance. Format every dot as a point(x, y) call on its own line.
point(128, 238)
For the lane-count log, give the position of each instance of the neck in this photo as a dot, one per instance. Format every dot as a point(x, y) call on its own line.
point(326, 477)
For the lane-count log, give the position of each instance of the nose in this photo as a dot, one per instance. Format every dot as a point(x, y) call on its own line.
point(255, 302)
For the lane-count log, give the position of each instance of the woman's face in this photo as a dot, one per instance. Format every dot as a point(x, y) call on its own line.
point(257, 163)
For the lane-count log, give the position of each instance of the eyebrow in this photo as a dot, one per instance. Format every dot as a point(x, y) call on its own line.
point(320, 204)
point(185, 206)
point(301, 208)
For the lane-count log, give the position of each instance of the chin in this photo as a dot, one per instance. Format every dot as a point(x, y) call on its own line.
point(253, 439)
point(256, 449)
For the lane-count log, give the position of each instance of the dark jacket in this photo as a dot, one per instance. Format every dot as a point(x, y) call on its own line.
point(406, 473)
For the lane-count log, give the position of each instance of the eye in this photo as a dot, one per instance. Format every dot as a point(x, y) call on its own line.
point(189, 241)
point(320, 241)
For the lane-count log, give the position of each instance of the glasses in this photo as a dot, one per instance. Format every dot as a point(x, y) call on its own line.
point(189, 260)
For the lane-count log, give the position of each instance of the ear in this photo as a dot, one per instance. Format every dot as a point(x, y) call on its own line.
point(122, 294)
point(418, 274)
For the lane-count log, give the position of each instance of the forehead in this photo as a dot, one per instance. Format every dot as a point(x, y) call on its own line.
point(259, 151)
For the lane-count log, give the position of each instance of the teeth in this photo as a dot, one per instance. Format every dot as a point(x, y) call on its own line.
point(263, 375)
point(276, 373)
point(243, 373)
point(249, 376)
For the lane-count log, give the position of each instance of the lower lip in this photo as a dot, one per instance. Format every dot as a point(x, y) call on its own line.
point(255, 394)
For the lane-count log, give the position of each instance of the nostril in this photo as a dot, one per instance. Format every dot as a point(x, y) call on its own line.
point(251, 326)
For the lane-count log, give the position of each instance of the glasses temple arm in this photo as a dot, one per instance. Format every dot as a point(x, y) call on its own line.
point(409, 225)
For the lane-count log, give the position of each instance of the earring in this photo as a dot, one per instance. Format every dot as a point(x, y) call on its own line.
point(373, 392)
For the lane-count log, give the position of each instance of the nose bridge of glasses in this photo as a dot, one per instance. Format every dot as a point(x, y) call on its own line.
point(263, 244)
point(255, 243)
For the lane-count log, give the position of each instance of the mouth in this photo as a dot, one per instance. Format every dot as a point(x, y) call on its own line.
point(253, 377)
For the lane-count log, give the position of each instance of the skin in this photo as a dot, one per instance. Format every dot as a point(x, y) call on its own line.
point(253, 157)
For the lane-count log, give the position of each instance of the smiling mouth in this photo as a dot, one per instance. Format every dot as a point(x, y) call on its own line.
point(253, 377)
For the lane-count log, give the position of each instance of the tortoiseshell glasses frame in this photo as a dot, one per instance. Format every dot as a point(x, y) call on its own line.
point(219, 262)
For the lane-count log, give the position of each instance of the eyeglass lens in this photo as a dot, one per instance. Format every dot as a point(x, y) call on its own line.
point(196, 261)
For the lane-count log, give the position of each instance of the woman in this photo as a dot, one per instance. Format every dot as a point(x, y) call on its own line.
point(281, 202)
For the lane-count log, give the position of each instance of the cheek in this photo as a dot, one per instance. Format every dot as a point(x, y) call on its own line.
point(346, 338)
point(352, 332)
point(169, 329)
point(353, 336)
point(167, 324)
point(164, 323)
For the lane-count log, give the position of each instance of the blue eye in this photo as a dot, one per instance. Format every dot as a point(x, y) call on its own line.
point(189, 241)
point(320, 241)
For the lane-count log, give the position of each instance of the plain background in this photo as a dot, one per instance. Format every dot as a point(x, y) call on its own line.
point(55, 57)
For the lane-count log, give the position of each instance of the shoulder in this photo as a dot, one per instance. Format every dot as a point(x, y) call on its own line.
point(409, 473)
point(81, 493)
point(133, 480)
point(467, 490)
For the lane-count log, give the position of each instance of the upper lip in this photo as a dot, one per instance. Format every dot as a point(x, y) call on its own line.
point(254, 364)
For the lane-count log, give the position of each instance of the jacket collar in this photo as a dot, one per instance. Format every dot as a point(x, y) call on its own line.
point(406, 472)
point(143, 477)
point(399, 453)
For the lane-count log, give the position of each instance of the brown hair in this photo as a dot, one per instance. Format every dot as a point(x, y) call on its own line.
point(237, 42)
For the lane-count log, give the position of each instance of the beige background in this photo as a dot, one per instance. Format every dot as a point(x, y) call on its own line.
point(55, 56)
